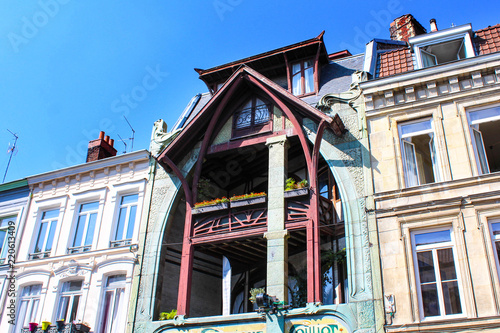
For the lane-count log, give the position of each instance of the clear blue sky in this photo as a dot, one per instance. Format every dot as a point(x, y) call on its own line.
point(71, 68)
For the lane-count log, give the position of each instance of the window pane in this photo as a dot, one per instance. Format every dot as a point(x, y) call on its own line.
point(41, 237)
point(451, 298)
point(483, 161)
point(34, 309)
point(430, 301)
point(426, 267)
point(50, 237)
point(128, 199)
point(63, 308)
point(296, 68)
point(446, 264)
point(51, 214)
point(261, 114)
point(3, 248)
point(121, 224)
point(90, 229)
point(88, 207)
point(432, 237)
point(23, 317)
point(243, 118)
point(79, 230)
point(484, 114)
point(74, 307)
point(309, 77)
point(420, 126)
point(410, 163)
point(296, 84)
point(115, 279)
point(105, 320)
point(131, 222)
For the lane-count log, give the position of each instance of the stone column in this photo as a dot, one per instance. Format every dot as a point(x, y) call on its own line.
point(276, 235)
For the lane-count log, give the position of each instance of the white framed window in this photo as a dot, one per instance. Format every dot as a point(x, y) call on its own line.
point(127, 216)
point(303, 77)
point(29, 301)
point(443, 46)
point(418, 150)
point(114, 305)
point(6, 224)
point(85, 227)
point(69, 300)
point(436, 274)
point(484, 126)
point(495, 240)
point(46, 233)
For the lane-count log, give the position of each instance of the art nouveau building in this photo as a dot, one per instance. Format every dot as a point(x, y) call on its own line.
point(293, 112)
point(78, 244)
point(433, 113)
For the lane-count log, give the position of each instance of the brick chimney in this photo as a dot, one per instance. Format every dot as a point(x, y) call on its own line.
point(101, 148)
point(404, 27)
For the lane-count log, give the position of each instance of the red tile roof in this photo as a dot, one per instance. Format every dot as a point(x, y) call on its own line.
point(487, 40)
point(394, 62)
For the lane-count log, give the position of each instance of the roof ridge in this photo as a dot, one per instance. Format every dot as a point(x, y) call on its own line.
point(489, 27)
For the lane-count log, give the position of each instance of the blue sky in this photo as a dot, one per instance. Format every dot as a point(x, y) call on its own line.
point(71, 68)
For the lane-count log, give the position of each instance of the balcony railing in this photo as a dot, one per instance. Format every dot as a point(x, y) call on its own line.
point(121, 242)
point(79, 249)
point(39, 255)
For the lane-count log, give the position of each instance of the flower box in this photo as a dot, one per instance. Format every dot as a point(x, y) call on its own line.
point(210, 208)
point(82, 328)
point(297, 192)
point(249, 201)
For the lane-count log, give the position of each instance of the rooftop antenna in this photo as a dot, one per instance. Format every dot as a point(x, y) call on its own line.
point(123, 143)
point(133, 134)
point(11, 152)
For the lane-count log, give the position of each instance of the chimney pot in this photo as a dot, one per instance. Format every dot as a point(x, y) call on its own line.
point(433, 25)
point(100, 148)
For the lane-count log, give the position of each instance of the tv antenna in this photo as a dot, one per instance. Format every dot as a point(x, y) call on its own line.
point(123, 143)
point(133, 134)
point(10, 151)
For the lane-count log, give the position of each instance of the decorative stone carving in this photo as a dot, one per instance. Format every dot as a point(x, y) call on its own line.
point(160, 137)
point(348, 97)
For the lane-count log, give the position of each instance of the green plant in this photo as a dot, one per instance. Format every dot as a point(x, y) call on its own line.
point(291, 184)
point(168, 315)
point(247, 196)
point(211, 202)
point(254, 292)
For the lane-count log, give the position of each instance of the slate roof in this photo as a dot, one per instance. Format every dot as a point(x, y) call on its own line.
point(394, 62)
point(335, 78)
point(487, 40)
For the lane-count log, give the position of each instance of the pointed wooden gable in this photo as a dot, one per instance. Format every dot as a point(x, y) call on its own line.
point(243, 110)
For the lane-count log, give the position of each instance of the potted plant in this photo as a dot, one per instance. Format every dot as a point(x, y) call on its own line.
point(60, 324)
point(210, 205)
point(248, 199)
point(33, 327)
point(45, 325)
point(168, 315)
point(294, 189)
point(81, 326)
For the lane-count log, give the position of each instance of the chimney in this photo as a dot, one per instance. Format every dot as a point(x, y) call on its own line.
point(404, 27)
point(100, 148)
point(434, 26)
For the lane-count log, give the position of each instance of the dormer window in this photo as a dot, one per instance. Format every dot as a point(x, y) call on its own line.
point(443, 52)
point(443, 46)
point(253, 117)
point(303, 77)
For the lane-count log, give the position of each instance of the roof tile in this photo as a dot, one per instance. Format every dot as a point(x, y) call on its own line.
point(487, 40)
point(394, 62)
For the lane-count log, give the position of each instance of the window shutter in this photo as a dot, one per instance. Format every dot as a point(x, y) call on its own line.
point(435, 166)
